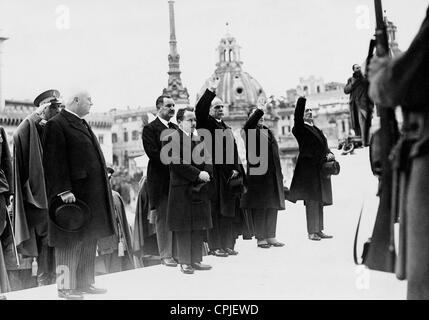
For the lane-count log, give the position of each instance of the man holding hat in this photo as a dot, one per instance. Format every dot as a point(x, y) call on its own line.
point(31, 204)
point(80, 199)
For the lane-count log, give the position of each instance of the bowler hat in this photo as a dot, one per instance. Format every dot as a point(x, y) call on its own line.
point(69, 217)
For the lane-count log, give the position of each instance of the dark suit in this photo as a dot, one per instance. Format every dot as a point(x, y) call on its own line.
point(188, 214)
point(73, 161)
point(265, 195)
point(308, 184)
point(225, 205)
point(158, 178)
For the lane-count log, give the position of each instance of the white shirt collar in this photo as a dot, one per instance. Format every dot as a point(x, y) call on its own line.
point(72, 113)
point(309, 124)
point(165, 123)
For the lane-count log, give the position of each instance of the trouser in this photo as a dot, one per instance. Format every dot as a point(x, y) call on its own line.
point(355, 114)
point(222, 235)
point(365, 118)
point(76, 264)
point(417, 219)
point(46, 258)
point(314, 213)
point(164, 236)
point(265, 223)
point(189, 246)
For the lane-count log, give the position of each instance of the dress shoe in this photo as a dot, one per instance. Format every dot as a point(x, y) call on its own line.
point(314, 237)
point(200, 266)
point(219, 253)
point(276, 244)
point(2, 297)
point(263, 244)
point(92, 290)
point(231, 252)
point(70, 294)
point(324, 236)
point(186, 268)
point(169, 262)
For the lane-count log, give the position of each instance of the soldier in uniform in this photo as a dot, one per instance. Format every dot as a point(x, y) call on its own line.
point(31, 205)
point(404, 81)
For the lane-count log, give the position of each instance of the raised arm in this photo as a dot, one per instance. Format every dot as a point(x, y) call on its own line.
point(253, 120)
point(202, 108)
point(299, 112)
point(351, 83)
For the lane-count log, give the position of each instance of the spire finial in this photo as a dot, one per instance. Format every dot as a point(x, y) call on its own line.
point(228, 28)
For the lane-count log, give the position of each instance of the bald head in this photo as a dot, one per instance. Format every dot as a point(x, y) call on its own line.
point(79, 102)
point(216, 109)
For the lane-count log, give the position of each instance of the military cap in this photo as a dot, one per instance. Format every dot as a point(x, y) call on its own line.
point(47, 96)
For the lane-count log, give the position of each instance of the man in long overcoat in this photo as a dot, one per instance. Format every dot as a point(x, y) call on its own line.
point(404, 81)
point(265, 192)
point(308, 183)
point(158, 176)
point(30, 202)
point(361, 106)
point(188, 213)
point(77, 170)
point(225, 204)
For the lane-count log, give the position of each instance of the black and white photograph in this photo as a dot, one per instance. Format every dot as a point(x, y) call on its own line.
point(214, 154)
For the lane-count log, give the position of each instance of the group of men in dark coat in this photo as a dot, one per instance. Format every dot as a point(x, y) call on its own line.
point(60, 181)
point(212, 200)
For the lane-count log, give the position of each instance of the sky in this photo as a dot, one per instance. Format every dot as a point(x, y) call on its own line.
point(118, 49)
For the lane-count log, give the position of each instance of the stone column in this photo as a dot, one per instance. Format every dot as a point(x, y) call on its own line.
point(2, 97)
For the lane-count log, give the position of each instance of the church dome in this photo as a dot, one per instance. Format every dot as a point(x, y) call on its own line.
point(238, 89)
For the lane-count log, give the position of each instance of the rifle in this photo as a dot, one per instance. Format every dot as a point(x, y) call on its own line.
point(381, 253)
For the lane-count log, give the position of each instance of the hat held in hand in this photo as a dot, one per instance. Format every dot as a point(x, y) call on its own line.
point(69, 217)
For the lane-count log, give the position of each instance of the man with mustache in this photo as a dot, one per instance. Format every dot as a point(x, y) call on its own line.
point(158, 176)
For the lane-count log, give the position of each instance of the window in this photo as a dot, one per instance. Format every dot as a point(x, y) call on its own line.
point(135, 135)
point(125, 135)
point(101, 139)
point(134, 118)
point(283, 130)
point(114, 138)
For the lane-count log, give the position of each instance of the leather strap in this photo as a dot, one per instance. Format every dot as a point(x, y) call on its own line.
point(356, 238)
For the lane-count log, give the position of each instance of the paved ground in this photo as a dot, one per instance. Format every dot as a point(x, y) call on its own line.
point(301, 270)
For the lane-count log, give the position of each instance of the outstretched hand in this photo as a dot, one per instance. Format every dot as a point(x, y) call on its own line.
point(261, 103)
point(213, 83)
